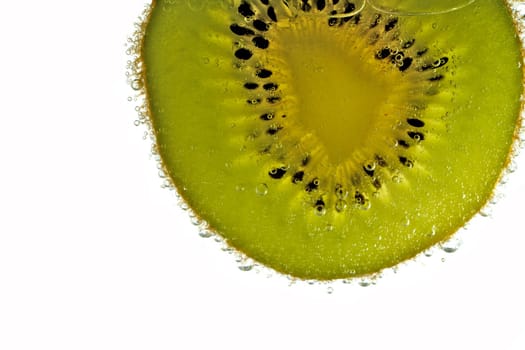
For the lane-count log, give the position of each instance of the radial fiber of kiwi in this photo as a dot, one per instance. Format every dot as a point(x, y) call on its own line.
point(333, 139)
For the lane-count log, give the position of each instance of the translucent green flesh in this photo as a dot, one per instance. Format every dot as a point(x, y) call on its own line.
point(202, 121)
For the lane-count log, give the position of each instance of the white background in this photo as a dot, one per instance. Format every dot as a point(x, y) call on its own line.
point(94, 254)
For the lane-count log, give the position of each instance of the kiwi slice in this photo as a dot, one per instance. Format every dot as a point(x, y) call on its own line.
point(332, 139)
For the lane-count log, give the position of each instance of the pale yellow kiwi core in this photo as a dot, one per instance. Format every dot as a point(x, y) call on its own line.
point(340, 91)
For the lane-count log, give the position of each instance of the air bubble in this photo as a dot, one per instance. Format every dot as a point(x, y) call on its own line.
point(320, 210)
point(366, 205)
point(370, 166)
point(341, 192)
point(330, 290)
point(136, 84)
point(196, 221)
point(365, 282)
point(204, 233)
point(261, 189)
point(485, 212)
point(340, 205)
point(451, 245)
point(245, 268)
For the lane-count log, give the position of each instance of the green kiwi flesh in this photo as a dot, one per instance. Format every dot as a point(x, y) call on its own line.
point(333, 139)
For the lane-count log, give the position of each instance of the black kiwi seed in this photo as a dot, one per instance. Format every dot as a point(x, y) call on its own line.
point(245, 10)
point(437, 78)
point(312, 185)
point(243, 54)
point(403, 143)
point(239, 30)
point(416, 136)
point(298, 177)
point(436, 64)
point(251, 86)
point(349, 7)
point(418, 123)
point(277, 173)
point(267, 116)
point(319, 205)
point(266, 149)
point(270, 86)
point(305, 6)
point(383, 53)
point(271, 13)
point(408, 44)
point(368, 171)
point(339, 190)
point(406, 162)
point(407, 61)
point(261, 25)
point(274, 130)
point(376, 21)
point(441, 62)
point(391, 24)
point(264, 73)
point(306, 160)
point(380, 161)
point(421, 52)
point(261, 42)
point(359, 198)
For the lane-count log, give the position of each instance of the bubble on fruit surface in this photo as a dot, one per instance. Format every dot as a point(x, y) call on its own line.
point(365, 282)
point(205, 233)
point(261, 189)
point(451, 245)
point(195, 220)
point(245, 267)
point(136, 84)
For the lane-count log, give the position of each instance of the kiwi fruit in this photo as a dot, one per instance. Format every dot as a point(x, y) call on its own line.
point(332, 139)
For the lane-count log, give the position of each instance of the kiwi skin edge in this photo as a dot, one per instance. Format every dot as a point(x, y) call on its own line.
point(139, 74)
